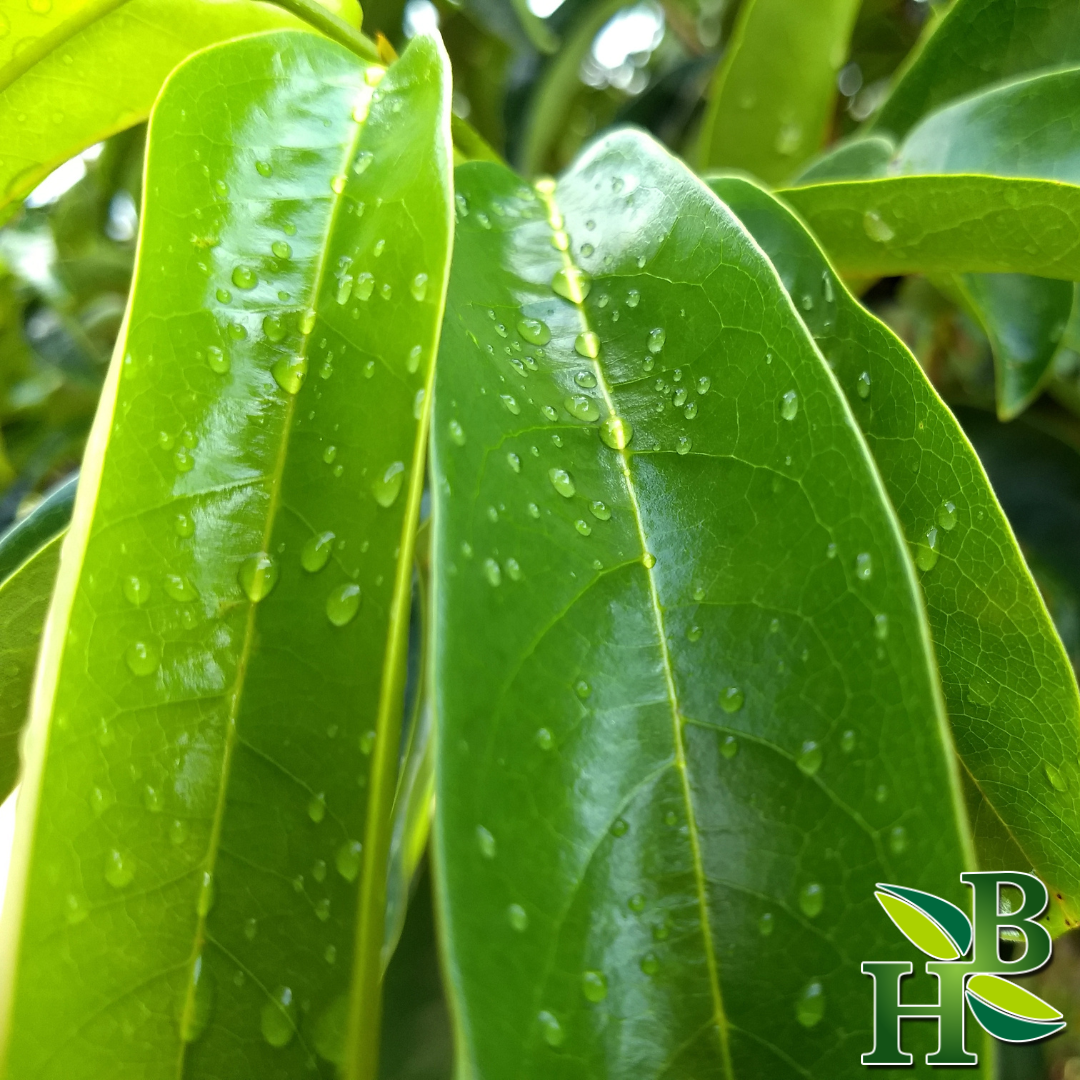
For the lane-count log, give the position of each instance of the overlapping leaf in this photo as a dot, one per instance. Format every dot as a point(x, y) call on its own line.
point(1010, 1012)
point(937, 927)
point(199, 872)
point(676, 748)
point(1010, 692)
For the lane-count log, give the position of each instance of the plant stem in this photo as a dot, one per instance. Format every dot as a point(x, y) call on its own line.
point(317, 16)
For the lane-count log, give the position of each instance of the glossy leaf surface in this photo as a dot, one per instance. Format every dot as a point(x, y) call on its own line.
point(215, 726)
point(674, 752)
point(945, 224)
point(29, 556)
point(977, 43)
point(919, 928)
point(773, 91)
point(84, 70)
point(1010, 692)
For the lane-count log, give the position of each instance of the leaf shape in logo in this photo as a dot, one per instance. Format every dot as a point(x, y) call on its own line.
point(1009, 1012)
point(934, 925)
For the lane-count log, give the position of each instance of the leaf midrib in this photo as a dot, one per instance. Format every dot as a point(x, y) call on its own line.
point(719, 1015)
point(276, 478)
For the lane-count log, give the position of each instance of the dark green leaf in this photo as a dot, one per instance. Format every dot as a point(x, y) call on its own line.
point(977, 43)
point(1010, 692)
point(29, 555)
point(658, 779)
point(772, 95)
point(199, 870)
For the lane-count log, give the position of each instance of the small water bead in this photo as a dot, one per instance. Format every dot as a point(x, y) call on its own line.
point(583, 527)
point(946, 516)
point(594, 985)
point(650, 964)
point(533, 510)
point(223, 295)
point(582, 408)
point(684, 445)
point(237, 331)
point(221, 187)
point(582, 689)
point(492, 572)
point(278, 1018)
point(599, 510)
point(485, 842)
point(534, 331)
point(587, 250)
point(142, 658)
point(347, 859)
point(926, 553)
point(729, 746)
point(811, 899)
point(457, 432)
point(183, 459)
point(656, 339)
point(878, 230)
point(264, 168)
point(318, 870)
point(648, 560)
point(511, 404)
point(847, 741)
point(344, 289)
point(809, 758)
point(243, 277)
point(258, 575)
point(152, 799)
point(789, 405)
point(864, 566)
point(343, 603)
point(1053, 774)
point(766, 923)
point(329, 454)
point(691, 411)
point(136, 589)
point(694, 633)
point(810, 1004)
point(418, 287)
point(365, 286)
point(587, 344)
point(322, 909)
point(337, 184)
point(572, 284)
point(862, 385)
point(315, 553)
point(217, 360)
point(898, 840)
point(119, 869)
point(514, 461)
point(289, 373)
point(616, 433)
point(562, 482)
point(679, 397)
point(550, 1028)
point(281, 249)
point(513, 569)
point(636, 903)
point(619, 827)
point(387, 487)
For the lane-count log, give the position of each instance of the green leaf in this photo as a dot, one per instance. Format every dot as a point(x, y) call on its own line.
point(673, 751)
point(29, 556)
point(200, 856)
point(977, 43)
point(1024, 318)
point(1011, 695)
point(772, 95)
point(93, 67)
point(1010, 1012)
point(921, 929)
point(945, 224)
point(858, 159)
point(949, 919)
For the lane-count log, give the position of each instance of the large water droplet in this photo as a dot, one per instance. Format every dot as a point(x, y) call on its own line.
point(217, 360)
point(281, 249)
point(946, 516)
point(594, 985)
point(811, 899)
point(518, 917)
point(810, 1004)
point(864, 566)
point(119, 868)
point(278, 1019)
point(315, 553)
point(550, 1028)
point(1053, 774)
point(258, 575)
point(616, 432)
point(599, 510)
point(656, 339)
point(789, 405)
point(511, 404)
point(243, 277)
point(180, 589)
point(289, 373)
point(142, 658)
point(862, 385)
point(809, 758)
point(274, 328)
point(343, 603)
point(877, 229)
point(562, 482)
point(534, 331)
point(582, 408)
point(587, 344)
point(418, 287)
point(347, 859)
point(926, 552)
point(731, 699)
point(572, 283)
point(387, 488)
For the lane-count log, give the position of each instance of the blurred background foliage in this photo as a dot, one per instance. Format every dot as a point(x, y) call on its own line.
point(538, 79)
